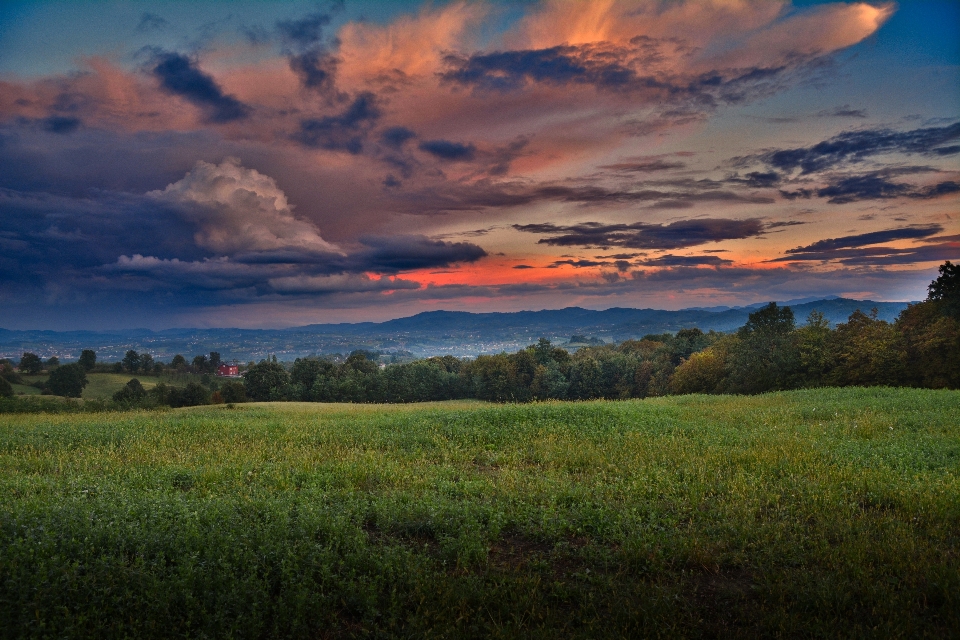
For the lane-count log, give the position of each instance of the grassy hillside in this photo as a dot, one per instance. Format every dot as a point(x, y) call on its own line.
point(102, 386)
point(830, 512)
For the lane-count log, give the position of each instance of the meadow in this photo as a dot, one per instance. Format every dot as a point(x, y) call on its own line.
point(827, 512)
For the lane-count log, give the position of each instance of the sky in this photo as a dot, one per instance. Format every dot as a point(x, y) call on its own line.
point(273, 164)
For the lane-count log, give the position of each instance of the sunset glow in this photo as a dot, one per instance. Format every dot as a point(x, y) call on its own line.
point(269, 164)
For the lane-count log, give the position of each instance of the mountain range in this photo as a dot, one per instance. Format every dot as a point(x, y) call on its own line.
point(425, 334)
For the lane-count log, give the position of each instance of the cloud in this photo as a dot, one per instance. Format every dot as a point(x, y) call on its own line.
point(641, 235)
point(842, 112)
point(874, 237)
point(61, 124)
point(238, 209)
point(858, 250)
point(390, 254)
point(855, 146)
point(670, 260)
point(644, 166)
point(579, 264)
point(447, 150)
point(875, 186)
point(346, 131)
point(180, 76)
point(348, 283)
point(396, 137)
point(151, 22)
point(304, 32)
point(309, 58)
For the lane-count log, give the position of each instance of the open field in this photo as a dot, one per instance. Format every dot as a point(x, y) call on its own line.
point(831, 512)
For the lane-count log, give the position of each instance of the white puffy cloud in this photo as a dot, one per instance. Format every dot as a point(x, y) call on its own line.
point(239, 209)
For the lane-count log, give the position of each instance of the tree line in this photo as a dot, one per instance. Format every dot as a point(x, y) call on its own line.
point(921, 348)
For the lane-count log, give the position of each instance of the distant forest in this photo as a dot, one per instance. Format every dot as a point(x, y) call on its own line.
point(921, 348)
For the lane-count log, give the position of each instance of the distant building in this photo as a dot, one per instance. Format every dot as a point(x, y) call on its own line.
point(228, 371)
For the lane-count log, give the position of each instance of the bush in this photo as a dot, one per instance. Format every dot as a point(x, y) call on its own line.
point(6, 390)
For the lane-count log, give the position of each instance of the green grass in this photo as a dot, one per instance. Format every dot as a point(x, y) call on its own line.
point(102, 386)
point(830, 512)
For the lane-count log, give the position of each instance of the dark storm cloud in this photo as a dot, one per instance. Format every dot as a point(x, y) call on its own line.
point(867, 256)
point(876, 186)
point(178, 75)
point(448, 150)
point(757, 179)
point(391, 254)
point(913, 232)
point(116, 246)
point(641, 235)
point(307, 53)
point(483, 194)
point(644, 166)
point(857, 250)
point(855, 146)
point(670, 260)
point(346, 131)
point(580, 264)
point(605, 67)
point(316, 69)
point(61, 124)
point(396, 136)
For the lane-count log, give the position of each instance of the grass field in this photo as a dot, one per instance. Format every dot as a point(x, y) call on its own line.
point(831, 512)
point(100, 386)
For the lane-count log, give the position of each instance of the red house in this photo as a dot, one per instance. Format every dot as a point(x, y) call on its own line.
point(228, 371)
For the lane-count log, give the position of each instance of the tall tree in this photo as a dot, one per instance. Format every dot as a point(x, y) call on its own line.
point(30, 363)
point(764, 357)
point(88, 358)
point(68, 380)
point(131, 361)
point(946, 289)
point(263, 378)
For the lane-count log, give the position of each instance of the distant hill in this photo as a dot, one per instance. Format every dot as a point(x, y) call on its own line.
point(429, 333)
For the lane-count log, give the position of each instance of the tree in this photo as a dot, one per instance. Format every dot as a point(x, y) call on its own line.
point(179, 362)
point(264, 377)
point(146, 363)
point(131, 361)
point(931, 341)
point(946, 289)
point(233, 392)
point(6, 390)
point(88, 358)
point(868, 352)
point(765, 356)
point(813, 350)
point(214, 361)
point(68, 380)
point(53, 362)
point(200, 363)
point(702, 372)
point(131, 393)
point(191, 395)
point(30, 363)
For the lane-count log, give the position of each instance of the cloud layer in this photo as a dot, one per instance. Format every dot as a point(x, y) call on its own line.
point(465, 154)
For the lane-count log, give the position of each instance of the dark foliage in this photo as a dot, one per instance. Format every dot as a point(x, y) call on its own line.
point(68, 380)
point(30, 363)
